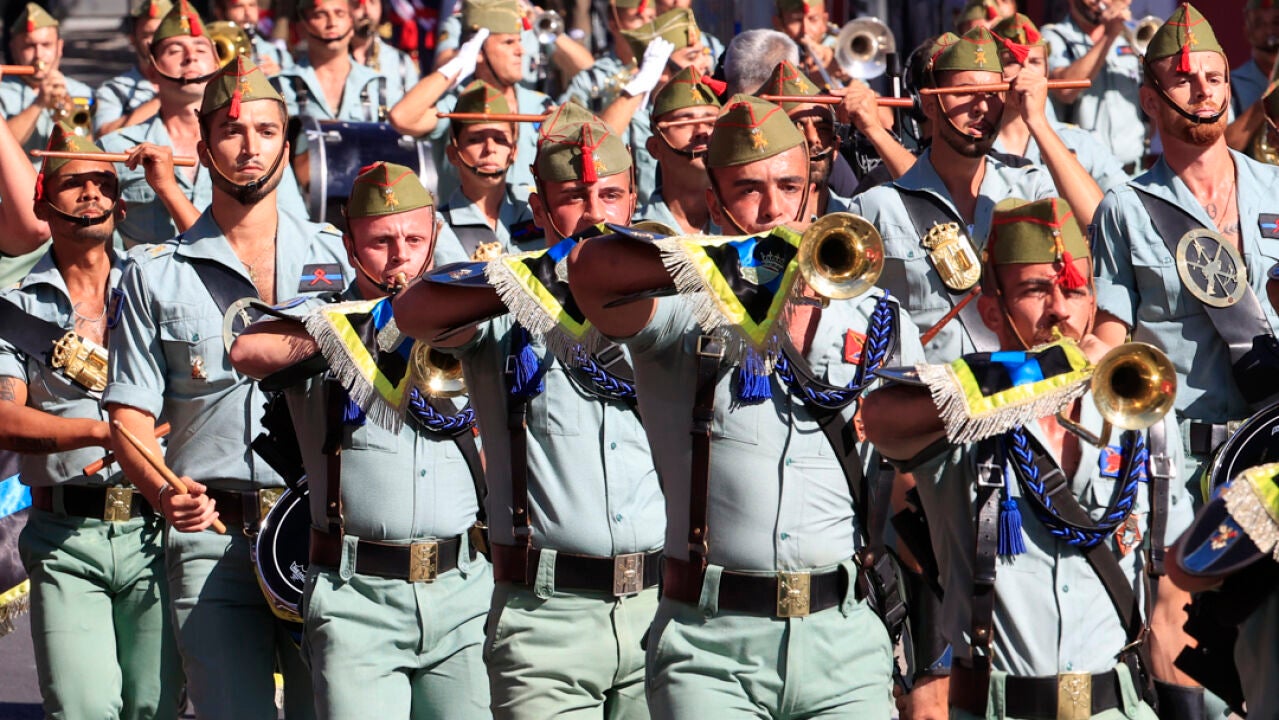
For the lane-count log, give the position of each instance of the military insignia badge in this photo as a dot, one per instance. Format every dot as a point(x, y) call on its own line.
point(1211, 268)
point(1220, 539)
point(115, 305)
point(1110, 461)
point(758, 141)
point(1269, 225)
point(321, 277)
point(953, 256)
point(197, 369)
point(853, 343)
point(1128, 534)
point(762, 266)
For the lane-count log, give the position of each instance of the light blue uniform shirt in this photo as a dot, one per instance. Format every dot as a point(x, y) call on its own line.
point(395, 487)
point(43, 294)
point(1052, 613)
point(263, 48)
point(361, 94)
point(657, 210)
point(396, 66)
point(520, 176)
point(1138, 282)
point(16, 96)
point(120, 96)
point(1096, 158)
point(908, 272)
point(778, 497)
point(591, 483)
point(597, 87)
point(1108, 108)
point(1248, 83)
point(14, 267)
point(461, 212)
point(147, 220)
point(169, 323)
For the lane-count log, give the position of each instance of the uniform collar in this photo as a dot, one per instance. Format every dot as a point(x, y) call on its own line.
point(359, 76)
point(46, 272)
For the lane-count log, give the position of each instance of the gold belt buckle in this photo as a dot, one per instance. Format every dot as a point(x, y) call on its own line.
point(267, 498)
point(794, 590)
point(1074, 696)
point(119, 504)
point(628, 574)
point(424, 561)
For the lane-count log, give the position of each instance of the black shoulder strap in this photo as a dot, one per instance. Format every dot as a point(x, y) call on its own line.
point(710, 355)
point(926, 210)
point(465, 441)
point(224, 284)
point(471, 237)
point(990, 485)
point(1161, 472)
point(32, 335)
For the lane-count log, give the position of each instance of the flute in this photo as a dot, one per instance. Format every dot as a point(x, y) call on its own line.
point(493, 117)
point(1002, 87)
point(835, 100)
point(17, 70)
point(178, 160)
point(97, 465)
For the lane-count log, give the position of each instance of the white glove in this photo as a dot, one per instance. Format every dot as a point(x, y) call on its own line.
point(462, 66)
point(650, 71)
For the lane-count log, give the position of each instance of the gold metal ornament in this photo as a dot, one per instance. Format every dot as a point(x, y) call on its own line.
point(438, 375)
point(229, 41)
point(1211, 268)
point(841, 256)
point(953, 256)
point(83, 361)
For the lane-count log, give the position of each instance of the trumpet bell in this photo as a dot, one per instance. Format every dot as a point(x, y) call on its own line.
point(548, 27)
point(229, 40)
point(1144, 33)
point(862, 48)
point(1134, 386)
point(841, 256)
point(439, 375)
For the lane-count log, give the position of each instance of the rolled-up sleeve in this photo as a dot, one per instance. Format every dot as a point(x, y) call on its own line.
point(138, 368)
point(1112, 260)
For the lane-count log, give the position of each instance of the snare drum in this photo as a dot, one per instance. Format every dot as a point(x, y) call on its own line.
point(339, 149)
point(1256, 442)
point(280, 552)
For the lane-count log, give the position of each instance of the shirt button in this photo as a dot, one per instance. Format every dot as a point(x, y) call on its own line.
point(1070, 666)
point(612, 446)
point(618, 517)
point(421, 473)
point(788, 461)
point(785, 536)
point(1065, 588)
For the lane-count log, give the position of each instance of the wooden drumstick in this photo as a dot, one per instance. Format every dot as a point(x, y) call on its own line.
point(835, 100)
point(17, 70)
point(493, 117)
point(178, 160)
point(96, 466)
point(174, 481)
point(1002, 87)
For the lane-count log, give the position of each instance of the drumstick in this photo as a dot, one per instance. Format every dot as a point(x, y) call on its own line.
point(178, 160)
point(835, 100)
point(17, 70)
point(1002, 87)
point(174, 481)
point(931, 332)
point(493, 117)
point(97, 465)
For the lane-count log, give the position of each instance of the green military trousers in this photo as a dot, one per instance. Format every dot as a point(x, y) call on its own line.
point(389, 648)
point(704, 663)
point(103, 642)
point(231, 643)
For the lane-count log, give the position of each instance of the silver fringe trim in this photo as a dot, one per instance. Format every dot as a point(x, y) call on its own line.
point(347, 371)
point(962, 427)
point(17, 601)
point(1247, 509)
point(534, 318)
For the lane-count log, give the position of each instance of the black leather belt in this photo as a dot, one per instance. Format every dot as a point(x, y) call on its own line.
point(620, 575)
point(112, 504)
point(1046, 698)
point(1205, 438)
point(783, 594)
point(244, 507)
point(421, 561)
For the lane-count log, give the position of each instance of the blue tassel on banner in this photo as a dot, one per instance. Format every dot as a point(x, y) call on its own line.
point(352, 415)
point(1011, 540)
point(754, 386)
point(527, 365)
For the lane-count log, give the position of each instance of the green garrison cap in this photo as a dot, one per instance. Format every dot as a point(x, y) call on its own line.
point(688, 88)
point(239, 82)
point(480, 97)
point(785, 6)
point(941, 42)
point(576, 145)
point(306, 6)
point(750, 129)
point(640, 5)
point(64, 139)
point(386, 189)
point(500, 17)
point(1019, 35)
point(1184, 32)
point(181, 21)
point(678, 26)
point(33, 18)
point(976, 50)
point(787, 80)
point(148, 9)
point(1043, 231)
point(977, 10)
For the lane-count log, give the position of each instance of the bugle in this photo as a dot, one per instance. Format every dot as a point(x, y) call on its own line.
point(841, 256)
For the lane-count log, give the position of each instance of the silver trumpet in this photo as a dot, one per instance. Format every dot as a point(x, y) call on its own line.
point(548, 26)
point(863, 46)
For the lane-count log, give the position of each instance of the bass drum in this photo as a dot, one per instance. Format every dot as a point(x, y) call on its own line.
point(337, 149)
point(1255, 442)
point(281, 553)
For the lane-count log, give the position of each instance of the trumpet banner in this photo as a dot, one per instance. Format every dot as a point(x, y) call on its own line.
point(15, 503)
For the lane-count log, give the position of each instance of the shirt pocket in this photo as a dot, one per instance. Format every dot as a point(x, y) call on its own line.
point(909, 275)
point(558, 410)
point(192, 346)
point(1158, 284)
point(371, 437)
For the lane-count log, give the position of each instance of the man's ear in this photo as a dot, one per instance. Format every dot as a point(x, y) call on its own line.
point(202, 153)
point(716, 210)
point(1148, 99)
point(991, 311)
point(651, 145)
point(539, 211)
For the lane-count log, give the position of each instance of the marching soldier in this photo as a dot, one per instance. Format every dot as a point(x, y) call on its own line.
point(326, 83)
point(1182, 254)
point(169, 358)
point(92, 545)
point(368, 48)
point(678, 144)
point(492, 53)
point(1040, 598)
point(761, 611)
point(1024, 49)
point(934, 217)
point(597, 86)
point(807, 23)
point(32, 103)
point(396, 593)
point(164, 200)
point(129, 98)
point(575, 506)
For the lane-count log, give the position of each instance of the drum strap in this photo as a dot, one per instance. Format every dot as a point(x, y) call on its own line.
point(517, 433)
point(334, 409)
point(925, 211)
point(224, 284)
point(710, 355)
point(300, 92)
point(470, 236)
point(465, 440)
point(1235, 324)
point(1160, 478)
point(32, 335)
point(372, 112)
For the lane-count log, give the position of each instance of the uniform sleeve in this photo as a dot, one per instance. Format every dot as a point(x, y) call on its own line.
point(1058, 55)
point(578, 88)
point(136, 377)
point(445, 105)
point(107, 106)
point(13, 362)
point(1041, 181)
point(671, 319)
point(1097, 159)
point(412, 74)
point(1112, 260)
point(450, 37)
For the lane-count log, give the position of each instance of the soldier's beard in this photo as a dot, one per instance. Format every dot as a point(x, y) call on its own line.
point(1201, 135)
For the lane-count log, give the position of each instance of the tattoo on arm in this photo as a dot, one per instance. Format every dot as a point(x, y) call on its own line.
point(35, 445)
point(7, 392)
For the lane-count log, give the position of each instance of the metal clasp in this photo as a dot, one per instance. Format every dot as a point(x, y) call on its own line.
point(794, 592)
point(628, 574)
point(119, 504)
point(990, 475)
point(424, 561)
point(1074, 696)
point(267, 498)
point(710, 346)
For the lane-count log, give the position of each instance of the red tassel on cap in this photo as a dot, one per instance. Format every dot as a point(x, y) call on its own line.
point(31, 25)
point(1069, 277)
point(991, 12)
point(39, 187)
point(719, 87)
point(643, 5)
point(1183, 65)
point(152, 10)
point(525, 22)
point(234, 111)
point(588, 165)
point(1019, 52)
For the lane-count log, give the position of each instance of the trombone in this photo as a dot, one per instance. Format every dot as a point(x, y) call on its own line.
point(1133, 386)
point(841, 256)
point(229, 40)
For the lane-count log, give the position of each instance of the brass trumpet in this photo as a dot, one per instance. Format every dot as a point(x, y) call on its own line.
point(1133, 386)
point(1141, 35)
point(655, 227)
point(439, 375)
point(229, 40)
point(76, 113)
point(548, 26)
point(841, 256)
